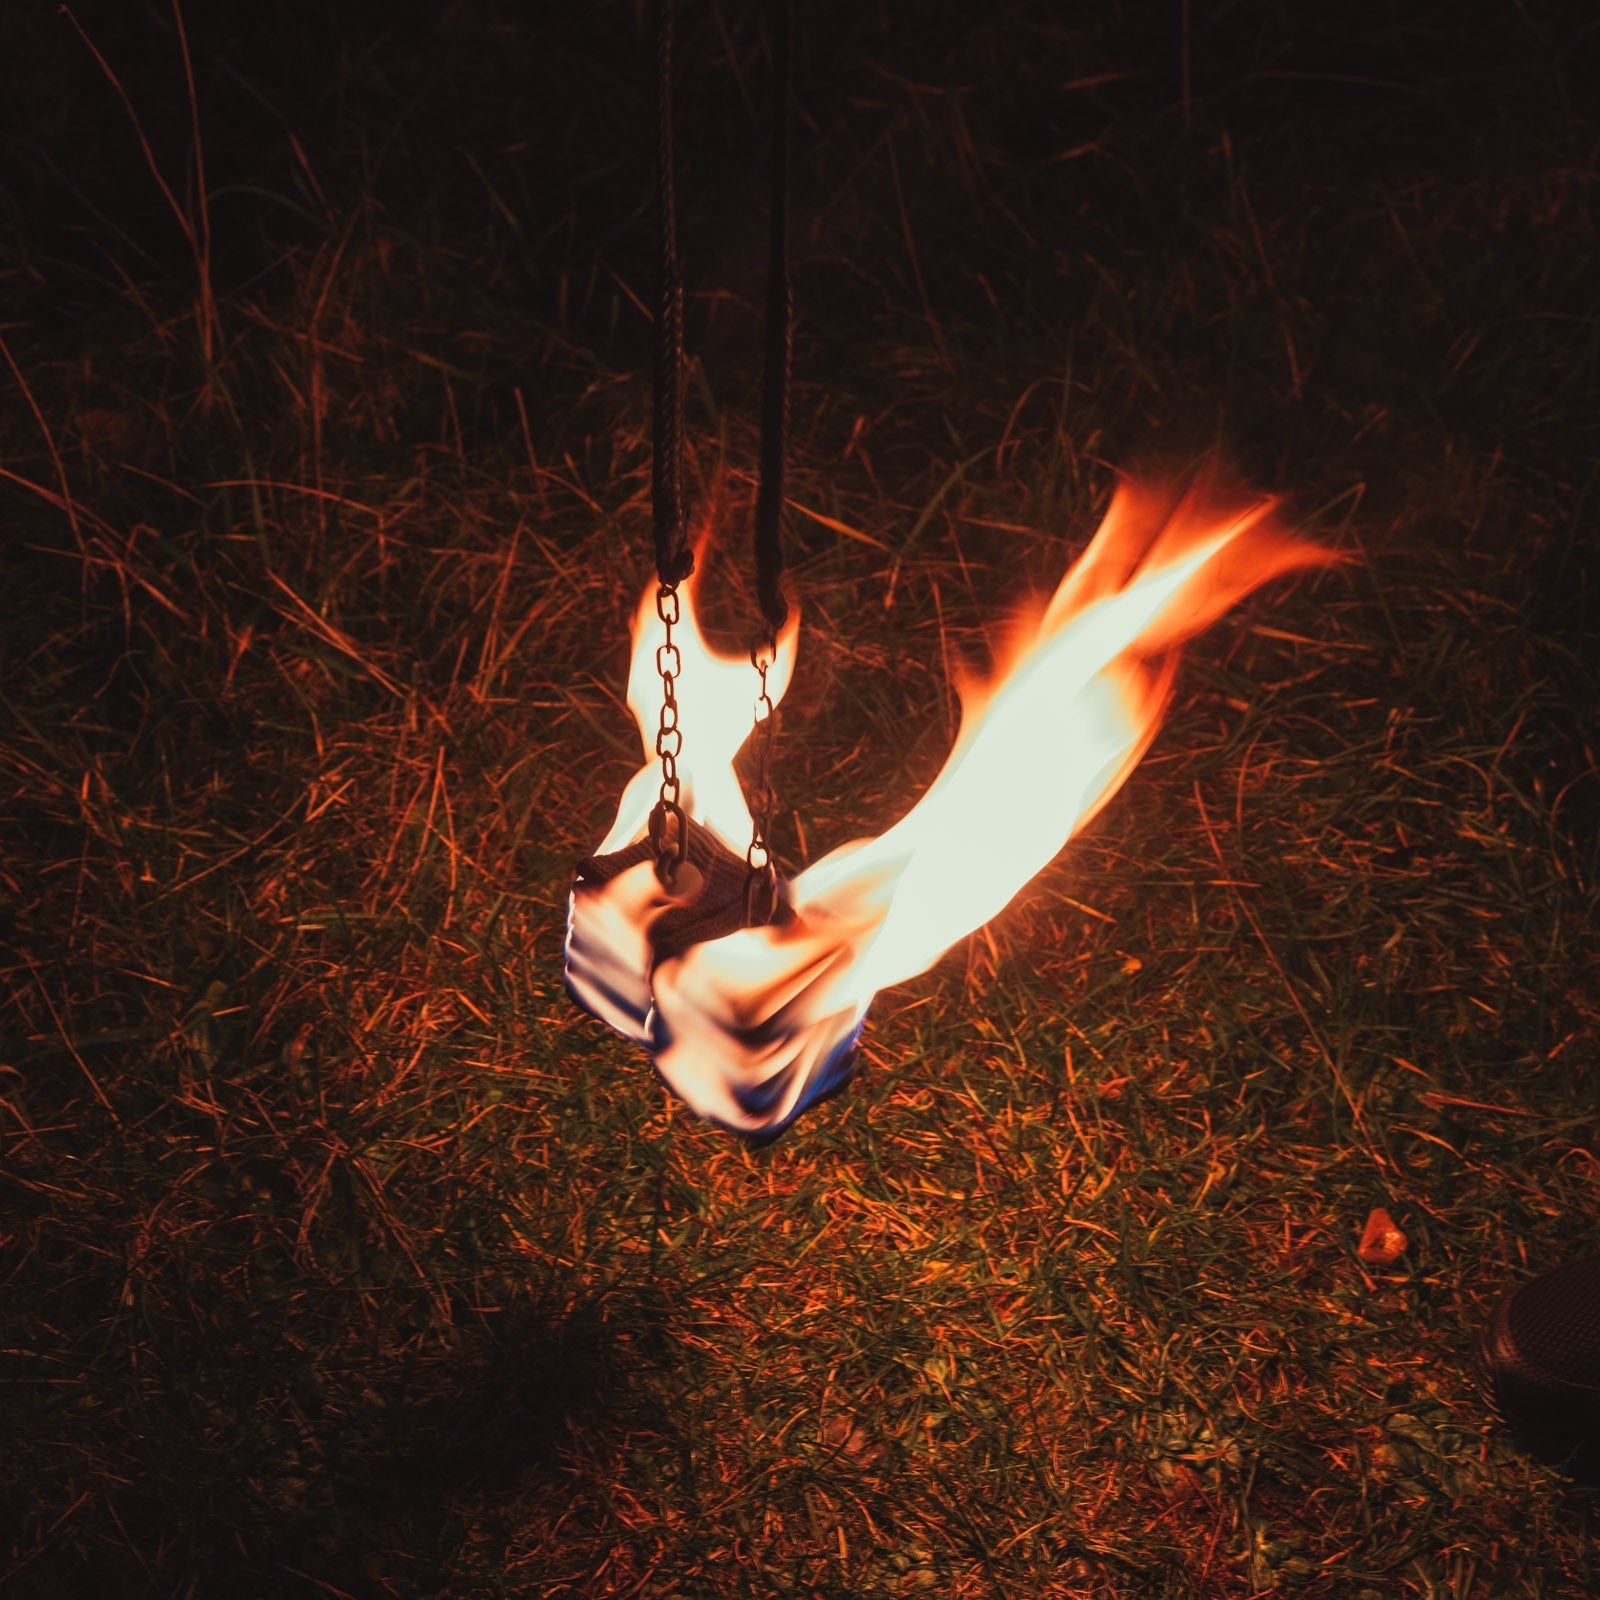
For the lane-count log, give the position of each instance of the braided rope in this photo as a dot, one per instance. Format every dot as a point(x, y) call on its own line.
point(674, 558)
point(779, 342)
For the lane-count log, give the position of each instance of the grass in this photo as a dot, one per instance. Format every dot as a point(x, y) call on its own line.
point(342, 1257)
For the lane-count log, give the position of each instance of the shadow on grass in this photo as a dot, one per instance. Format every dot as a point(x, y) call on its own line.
point(392, 1490)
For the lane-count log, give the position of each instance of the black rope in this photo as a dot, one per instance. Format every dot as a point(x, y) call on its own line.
point(674, 557)
point(779, 344)
point(761, 894)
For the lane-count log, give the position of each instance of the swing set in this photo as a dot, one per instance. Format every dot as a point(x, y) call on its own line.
point(749, 991)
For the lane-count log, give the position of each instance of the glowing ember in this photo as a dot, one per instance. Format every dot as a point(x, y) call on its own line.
point(752, 1025)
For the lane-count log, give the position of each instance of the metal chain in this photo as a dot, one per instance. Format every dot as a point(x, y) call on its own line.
point(671, 843)
point(761, 875)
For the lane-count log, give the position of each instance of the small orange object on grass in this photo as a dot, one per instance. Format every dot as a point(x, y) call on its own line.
point(1382, 1243)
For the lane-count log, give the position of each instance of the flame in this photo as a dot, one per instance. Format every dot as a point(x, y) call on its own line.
point(752, 1027)
point(716, 710)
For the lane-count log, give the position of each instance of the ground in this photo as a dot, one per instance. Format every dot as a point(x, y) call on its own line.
point(342, 1255)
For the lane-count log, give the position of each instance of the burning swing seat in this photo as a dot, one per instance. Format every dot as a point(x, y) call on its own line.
point(750, 991)
point(753, 1021)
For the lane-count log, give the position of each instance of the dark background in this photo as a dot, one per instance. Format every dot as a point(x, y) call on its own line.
point(1352, 249)
point(1045, 161)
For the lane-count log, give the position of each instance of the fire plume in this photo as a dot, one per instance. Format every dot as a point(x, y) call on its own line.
point(752, 1026)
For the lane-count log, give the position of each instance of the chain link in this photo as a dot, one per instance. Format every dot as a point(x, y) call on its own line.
point(669, 828)
point(761, 874)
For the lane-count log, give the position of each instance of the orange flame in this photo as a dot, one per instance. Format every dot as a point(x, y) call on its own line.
point(716, 710)
point(752, 1027)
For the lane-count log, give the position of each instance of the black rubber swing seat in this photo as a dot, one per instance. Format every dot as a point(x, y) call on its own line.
point(1537, 1362)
